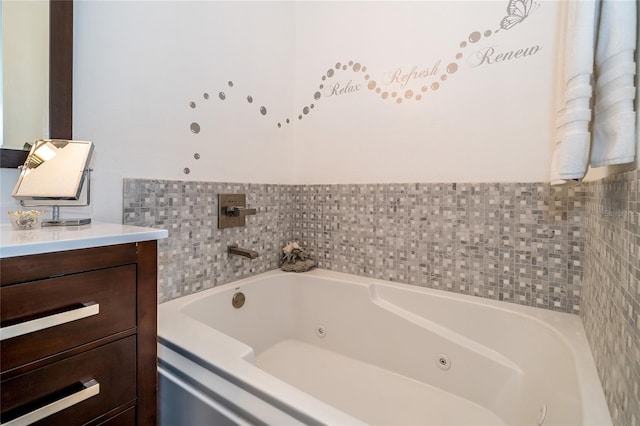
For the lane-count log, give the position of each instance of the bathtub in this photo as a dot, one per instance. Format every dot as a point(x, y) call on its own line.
point(334, 349)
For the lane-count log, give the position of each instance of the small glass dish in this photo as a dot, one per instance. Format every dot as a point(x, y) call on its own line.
point(26, 219)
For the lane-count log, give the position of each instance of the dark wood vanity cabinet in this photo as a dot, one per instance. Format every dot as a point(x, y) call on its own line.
point(79, 336)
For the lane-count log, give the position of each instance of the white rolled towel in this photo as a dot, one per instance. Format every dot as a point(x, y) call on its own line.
point(614, 125)
point(570, 157)
point(573, 112)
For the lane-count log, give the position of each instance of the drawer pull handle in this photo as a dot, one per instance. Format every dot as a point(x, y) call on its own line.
point(90, 388)
point(87, 310)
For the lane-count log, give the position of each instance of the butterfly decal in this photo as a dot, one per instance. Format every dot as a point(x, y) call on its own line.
point(517, 11)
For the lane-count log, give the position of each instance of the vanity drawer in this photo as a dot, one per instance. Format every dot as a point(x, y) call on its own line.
point(107, 372)
point(39, 266)
point(127, 418)
point(65, 312)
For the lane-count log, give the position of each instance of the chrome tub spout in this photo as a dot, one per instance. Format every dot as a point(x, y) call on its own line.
point(234, 249)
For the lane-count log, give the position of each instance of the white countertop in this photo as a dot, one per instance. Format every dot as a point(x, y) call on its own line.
point(58, 238)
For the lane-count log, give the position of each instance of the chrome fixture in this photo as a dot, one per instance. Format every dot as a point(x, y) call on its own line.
point(238, 300)
point(232, 210)
point(234, 249)
point(236, 211)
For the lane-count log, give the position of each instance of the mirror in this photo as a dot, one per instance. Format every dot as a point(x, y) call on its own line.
point(53, 175)
point(25, 72)
point(60, 63)
point(55, 170)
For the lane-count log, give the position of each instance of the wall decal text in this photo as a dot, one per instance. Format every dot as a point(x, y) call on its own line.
point(402, 77)
point(491, 55)
point(401, 84)
point(341, 88)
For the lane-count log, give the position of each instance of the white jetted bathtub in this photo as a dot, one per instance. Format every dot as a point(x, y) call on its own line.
point(335, 349)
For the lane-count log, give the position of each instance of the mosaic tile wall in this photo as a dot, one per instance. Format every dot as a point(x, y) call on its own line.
point(523, 243)
point(194, 257)
point(610, 308)
point(520, 243)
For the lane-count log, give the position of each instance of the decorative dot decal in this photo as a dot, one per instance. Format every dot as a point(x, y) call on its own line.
point(474, 36)
point(342, 87)
point(451, 68)
point(404, 91)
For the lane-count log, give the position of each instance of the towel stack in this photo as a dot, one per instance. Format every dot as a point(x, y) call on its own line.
point(613, 24)
point(614, 138)
point(571, 154)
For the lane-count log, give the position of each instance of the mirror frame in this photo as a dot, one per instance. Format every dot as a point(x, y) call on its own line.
point(60, 80)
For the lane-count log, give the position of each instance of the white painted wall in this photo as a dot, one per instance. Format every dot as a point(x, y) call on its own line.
point(137, 67)
point(486, 123)
point(139, 64)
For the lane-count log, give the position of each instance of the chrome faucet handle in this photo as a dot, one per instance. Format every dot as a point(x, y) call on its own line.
point(232, 210)
point(237, 211)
